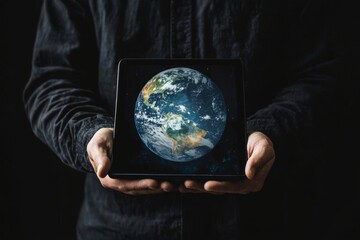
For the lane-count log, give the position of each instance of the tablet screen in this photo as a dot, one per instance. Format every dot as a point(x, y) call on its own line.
point(179, 118)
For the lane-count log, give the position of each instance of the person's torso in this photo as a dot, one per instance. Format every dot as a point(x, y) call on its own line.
point(250, 30)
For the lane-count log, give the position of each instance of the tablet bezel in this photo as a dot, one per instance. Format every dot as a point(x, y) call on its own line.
point(120, 132)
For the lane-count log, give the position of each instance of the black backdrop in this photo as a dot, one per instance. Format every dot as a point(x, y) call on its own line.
point(40, 197)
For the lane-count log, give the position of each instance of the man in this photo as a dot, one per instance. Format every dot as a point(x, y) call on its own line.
point(69, 100)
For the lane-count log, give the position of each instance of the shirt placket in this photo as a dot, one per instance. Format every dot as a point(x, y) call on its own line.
point(181, 29)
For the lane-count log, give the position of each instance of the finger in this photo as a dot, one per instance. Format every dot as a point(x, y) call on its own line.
point(260, 150)
point(191, 186)
point(194, 185)
point(101, 161)
point(166, 186)
point(129, 185)
point(258, 182)
point(137, 185)
point(99, 149)
point(247, 185)
point(226, 187)
point(144, 192)
point(259, 157)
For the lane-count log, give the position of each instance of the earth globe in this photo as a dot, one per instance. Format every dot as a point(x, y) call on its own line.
point(180, 114)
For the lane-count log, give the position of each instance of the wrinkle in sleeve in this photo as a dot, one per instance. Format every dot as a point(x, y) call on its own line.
point(60, 97)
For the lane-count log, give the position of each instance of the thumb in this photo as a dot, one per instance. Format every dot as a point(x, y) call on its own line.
point(260, 151)
point(101, 162)
point(99, 149)
point(252, 166)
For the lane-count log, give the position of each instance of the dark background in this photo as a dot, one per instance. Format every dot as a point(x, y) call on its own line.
point(40, 196)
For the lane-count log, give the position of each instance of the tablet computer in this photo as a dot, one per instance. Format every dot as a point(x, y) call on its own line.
point(178, 119)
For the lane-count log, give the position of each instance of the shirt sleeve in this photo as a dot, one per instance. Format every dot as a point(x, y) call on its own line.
point(308, 91)
point(60, 98)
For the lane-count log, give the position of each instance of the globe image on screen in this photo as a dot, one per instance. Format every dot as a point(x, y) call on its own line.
point(180, 114)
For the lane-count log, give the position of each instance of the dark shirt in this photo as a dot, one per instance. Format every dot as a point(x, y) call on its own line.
point(289, 77)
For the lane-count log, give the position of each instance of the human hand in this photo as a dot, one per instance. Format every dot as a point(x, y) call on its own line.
point(99, 151)
point(261, 157)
